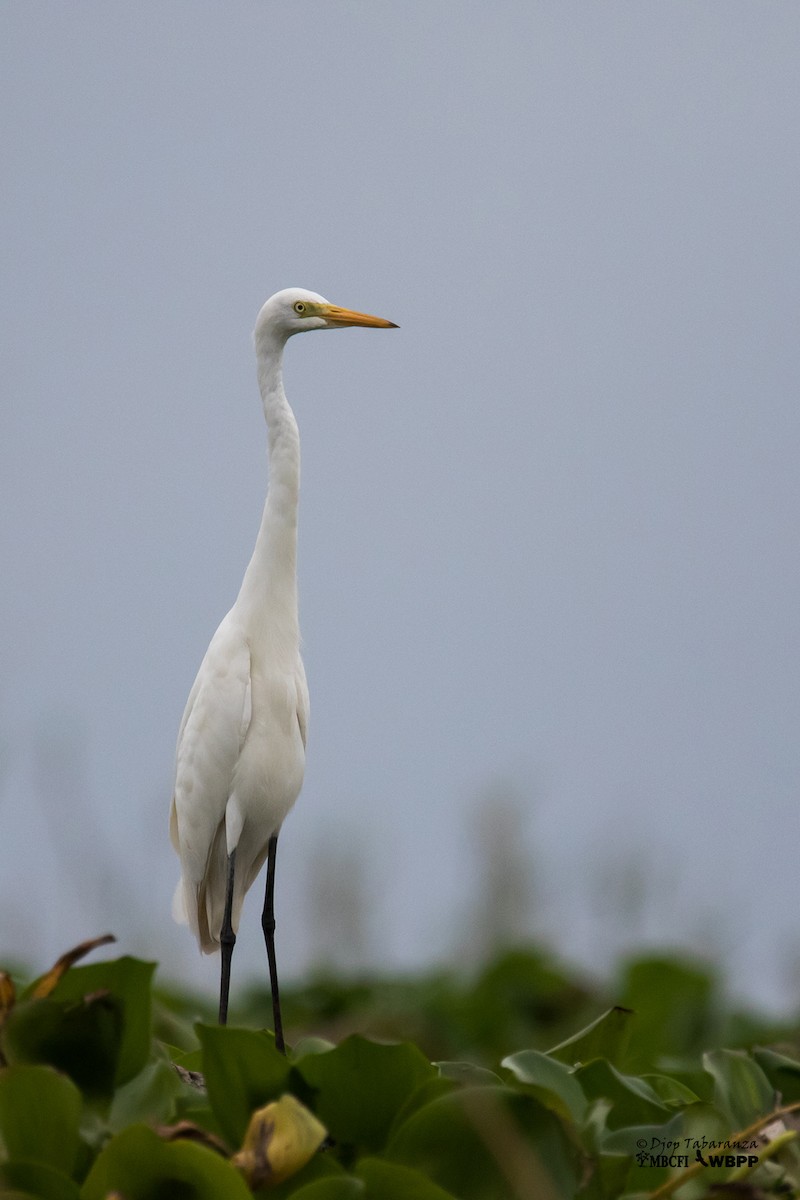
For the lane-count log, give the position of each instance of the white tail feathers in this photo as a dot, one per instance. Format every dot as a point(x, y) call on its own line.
point(179, 912)
point(189, 908)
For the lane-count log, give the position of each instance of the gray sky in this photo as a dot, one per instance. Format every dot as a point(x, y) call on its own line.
point(548, 528)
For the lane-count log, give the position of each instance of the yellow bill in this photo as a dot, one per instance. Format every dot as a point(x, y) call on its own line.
point(346, 316)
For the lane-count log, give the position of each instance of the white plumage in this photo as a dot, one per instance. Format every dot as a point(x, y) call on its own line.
point(241, 745)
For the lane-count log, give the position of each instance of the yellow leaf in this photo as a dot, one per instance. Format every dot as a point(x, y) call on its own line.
point(281, 1138)
point(8, 996)
point(45, 985)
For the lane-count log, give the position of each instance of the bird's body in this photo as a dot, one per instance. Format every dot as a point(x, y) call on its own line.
point(240, 762)
point(241, 745)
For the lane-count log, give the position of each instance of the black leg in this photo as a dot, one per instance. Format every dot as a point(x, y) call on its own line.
point(227, 940)
point(268, 925)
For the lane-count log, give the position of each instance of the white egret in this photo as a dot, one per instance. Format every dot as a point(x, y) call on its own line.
point(241, 745)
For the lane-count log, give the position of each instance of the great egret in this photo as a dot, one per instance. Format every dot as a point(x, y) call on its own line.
point(241, 744)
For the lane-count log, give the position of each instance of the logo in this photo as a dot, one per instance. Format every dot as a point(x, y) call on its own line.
point(684, 1152)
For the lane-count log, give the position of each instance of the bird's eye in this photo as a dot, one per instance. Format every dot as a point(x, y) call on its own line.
point(299, 308)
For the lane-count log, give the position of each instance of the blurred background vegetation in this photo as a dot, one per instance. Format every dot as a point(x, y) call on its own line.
point(522, 997)
point(505, 981)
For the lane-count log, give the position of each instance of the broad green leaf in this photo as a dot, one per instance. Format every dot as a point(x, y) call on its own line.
point(200, 1114)
point(173, 1030)
point(129, 981)
point(392, 1181)
point(150, 1096)
point(323, 1167)
point(431, 1089)
point(689, 1076)
point(82, 1038)
point(40, 1113)
point(633, 1101)
point(654, 1152)
point(138, 1165)
point(782, 1072)
point(468, 1140)
point(607, 1037)
point(466, 1072)
point(675, 1003)
point(671, 1091)
point(243, 1072)
point(34, 1179)
point(94, 1024)
point(741, 1089)
point(702, 1125)
point(553, 1083)
point(595, 1125)
point(606, 1177)
point(360, 1085)
point(650, 1139)
point(332, 1189)
point(310, 1045)
point(190, 1060)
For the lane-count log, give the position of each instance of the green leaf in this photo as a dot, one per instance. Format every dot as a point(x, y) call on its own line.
point(361, 1085)
point(94, 1025)
point(607, 1177)
point(332, 1189)
point(552, 1082)
point(689, 1076)
point(633, 1101)
point(670, 1090)
point(466, 1072)
point(129, 981)
point(782, 1072)
point(138, 1165)
point(392, 1181)
point(607, 1037)
point(650, 1138)
point(243, 1072)
point(741, 1089)
point(190, 1060)
point(675, 1003)
point(432, 1088)
point(648, 1149)
point(475, 1141)
point(172, 1029)
point(81, 1038)
point(149, 1097)
point(594, 1130)
point(704, 1124)
point(33, 1179)
point(310, 1045)
point(40, 1113)
point(322, 1168)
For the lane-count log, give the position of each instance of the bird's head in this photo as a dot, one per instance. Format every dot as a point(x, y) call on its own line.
point(295, 310)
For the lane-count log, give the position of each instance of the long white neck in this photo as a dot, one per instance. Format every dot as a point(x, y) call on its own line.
point(268, 595)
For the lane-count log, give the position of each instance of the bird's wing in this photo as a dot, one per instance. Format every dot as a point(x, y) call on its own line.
point(211, 735)
point(302, 700)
